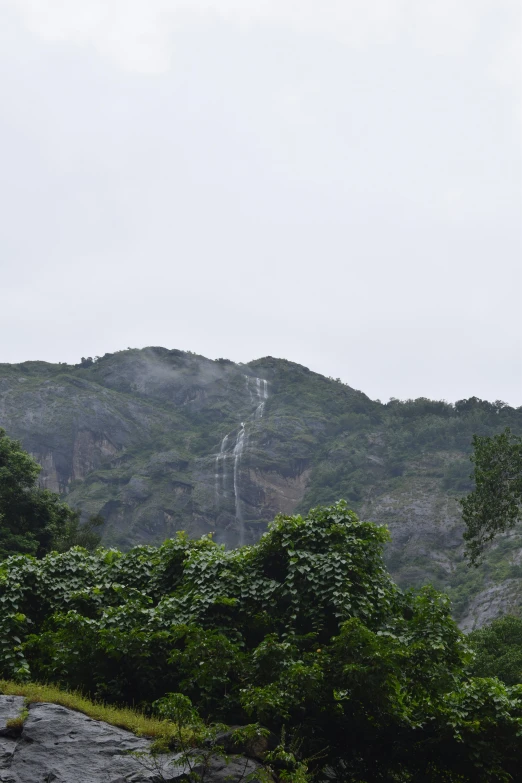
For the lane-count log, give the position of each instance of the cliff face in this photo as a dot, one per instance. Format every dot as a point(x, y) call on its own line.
point(157, 441)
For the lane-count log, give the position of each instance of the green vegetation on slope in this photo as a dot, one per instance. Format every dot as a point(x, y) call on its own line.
point(495, 504)
point(134, 436)
point(305, 630)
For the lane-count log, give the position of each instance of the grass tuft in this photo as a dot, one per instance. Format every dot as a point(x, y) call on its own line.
point(123, 717)
point(15, 726)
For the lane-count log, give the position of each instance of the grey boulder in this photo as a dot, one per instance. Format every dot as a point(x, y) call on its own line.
point(58, 745)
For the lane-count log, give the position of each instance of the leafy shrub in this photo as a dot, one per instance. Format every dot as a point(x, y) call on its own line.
point(498, 649)
point(304, 632)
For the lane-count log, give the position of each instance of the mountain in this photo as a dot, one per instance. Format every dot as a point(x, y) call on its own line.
point(160, 440)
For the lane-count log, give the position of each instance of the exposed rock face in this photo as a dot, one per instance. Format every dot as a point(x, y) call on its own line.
point(159, 440)
point(493, 601)
point(425, 526)
point(10, 708)
point(285, 493)
point(63, 746)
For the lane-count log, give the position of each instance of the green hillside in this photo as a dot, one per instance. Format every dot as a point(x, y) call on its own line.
point(140, 436)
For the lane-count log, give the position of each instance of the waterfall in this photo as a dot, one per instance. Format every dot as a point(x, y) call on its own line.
point(220, 476)
point(262, 394)
point(238, 453)
point(221, 458)
point(249, 390)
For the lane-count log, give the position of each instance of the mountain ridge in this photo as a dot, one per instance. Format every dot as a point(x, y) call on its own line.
point(158, 440)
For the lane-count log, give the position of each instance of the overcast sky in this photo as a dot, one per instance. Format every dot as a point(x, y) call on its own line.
point(335, 182)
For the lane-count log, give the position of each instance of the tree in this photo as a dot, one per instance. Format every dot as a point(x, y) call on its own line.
point(78, 533)
point(495, 504)
point(34, 520)
point(498, 648)
point(304, 633)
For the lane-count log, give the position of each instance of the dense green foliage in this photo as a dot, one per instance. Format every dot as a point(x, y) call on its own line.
point(495, 504)
point(34, 520)
point(304, 630)
point(498, 648)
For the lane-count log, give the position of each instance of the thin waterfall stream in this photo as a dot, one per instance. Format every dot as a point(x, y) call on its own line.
point(262, 394)
point(220, 459)
point(258, 397)
point(238, 453)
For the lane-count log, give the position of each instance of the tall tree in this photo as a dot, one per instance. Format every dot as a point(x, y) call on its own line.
point(495, 504)
point(34, 520)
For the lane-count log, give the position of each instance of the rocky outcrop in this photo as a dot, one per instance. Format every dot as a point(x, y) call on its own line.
point(59, 745)
point(494, 601)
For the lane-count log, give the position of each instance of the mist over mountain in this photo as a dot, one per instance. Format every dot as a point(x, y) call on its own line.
point(159, 440)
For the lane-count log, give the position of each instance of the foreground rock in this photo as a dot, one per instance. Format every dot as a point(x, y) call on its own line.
point(58, 745)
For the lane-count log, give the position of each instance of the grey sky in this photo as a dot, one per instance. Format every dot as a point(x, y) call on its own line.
point(336, 182)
